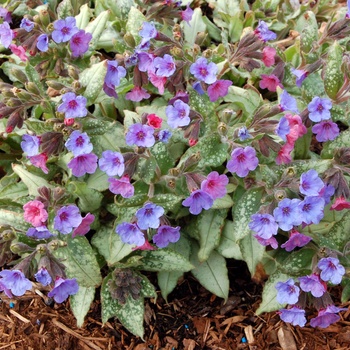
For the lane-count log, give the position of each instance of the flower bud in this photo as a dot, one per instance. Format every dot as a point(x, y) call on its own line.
point(280, 194)
point(55, 84)
point(200, 38)
point(129, 40)
point(44, 17)
point(176, 52)
point(36, 19)
point(7, 235)
point(222, 129)
point(19, 75)
point(24, 95)
point(73, 72)
point(14, 102)
point(208, 53)
point(31, 87)
point(76, 85)
point(20, 248)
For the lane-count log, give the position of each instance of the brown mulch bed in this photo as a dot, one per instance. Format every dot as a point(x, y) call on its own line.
point(192, 319)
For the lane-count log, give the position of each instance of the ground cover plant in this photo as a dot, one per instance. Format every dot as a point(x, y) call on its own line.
point(169, 136)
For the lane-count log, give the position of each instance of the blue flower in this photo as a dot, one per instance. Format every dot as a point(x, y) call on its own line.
point(43, 277)
point(287, 214)
point(73, 106)
point(43, 43)
point(27, 25)
point(63, 289)
point(263, 32)
point(288, 103)
point(311, 209)
point(30, 145)
point(79, 143)
point(283, 128)
point(148, 216)
point(130, 234)
point(264, 225)
point(178, 114)
point(15, 281)
point(165, 67)
point(165, 235)
point(312, 284)
point(64, 29)
point(112, 163)
point(319, 109)
point(310, 183)
point(294, 315)
point(204, 71)
point(140, 135)
point(287, 292)
point(197, 201)
point(67, 218)
point(331, 270)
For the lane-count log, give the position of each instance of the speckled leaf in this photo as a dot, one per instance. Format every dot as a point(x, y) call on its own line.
point(334, 77)
point(228, 247)
point(83, 18)
point(302, 166)
point(345, 295)
point(96, 27)
point(94, 126)
point(13, 217)
point(211, 274)
point(112, 139)
point(109, 305)
point(309, 34)
point(80, 303)
point(343, 140)
point(110, 245)
point(34, 77)
point(269, 302)
point(80, 261)
point(147, 169)
point(225, 202)
point(14, 191)
point(98, 180)
point(65, 9)
point(168, 201)
point(134, 23)
point(164, 260)
point(89, 199)
point(164, 159)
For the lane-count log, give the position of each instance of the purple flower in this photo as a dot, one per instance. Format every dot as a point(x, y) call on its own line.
point(264, 225)
point(145, 61)
point(79, 143)
point(4, 289)
point(121, 186)
point(40, 232)
point(263, 32)
point(197, 201)
point(109, 90)
point(319, 109)
point(197, 85)
point(294, 315)
point(331, 270)
point(130, 234)
point(187, 14)
point(63, 289)
point(15, 281)
point(164, 135)
point(148, 31)
point(310, 183)
point(326, 316)
point(140, 135)
point(5, 15)
point(73, 106)
point(313, 284)
point(67, 218)
point(178, 114)
point(137, 94)
point(300, 76)
point(287, 213)
point(242, 161)
point(287, 292)
point(266, 242)
point(165, 235)
point(43, 43)
point(326, 131)
point(27, 25)
point(283, 128)
point(204, 71)
point(218, 89)
point(79, 43)
point(64, 29)
point(148, 216)
point(114, 73)
point(43, 277)
point(288, 103)
point(30, 145)
point(296, 239)
point(311, 210)
point(83, 164)
point(112, 163)
point(84, 226)
point(165, 67)
point(6, 34)
point(215, 185)
point(244, 134)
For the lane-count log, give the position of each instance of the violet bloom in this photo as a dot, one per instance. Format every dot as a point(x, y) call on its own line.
point(197, 201)
point(63, 289)
point(140, 135)
point(331, 270)
point(296, 239)
point(137, 94)
point(287, 214)
point(242, 161)
point(42, 43)
point(300, 76)
point(187, 14)
point(218, 89)
point(326, 316)
point(6, 34)
point(270, 82)
point(148, 216)
point(148, 31)
point(130, 234)
point(15, 281)
point(319, 109)
point(294, 315)
point(145, 61)
point(83, 164)
point(39, 161)
point(288, 103)
point(79, 143)
point(121, 186)
point(313, 284)
point(287, 292)
point(164, 136)
point(67, 218)
point(114, 74)
point(84, 226)
point(43, 276)
point(204, 71)
point(263, 32)
point(283, 128)
point(243, 133)
point(30, 145)
point(165, 235)
point(109, 90)
point(4, 289)
point(79, 43)
point(215, 185)
point(264, 225)
point(112, 163)
point(165, 67)
point(73, 106)
point(326, 193)
point(40, 232)
point(26, 24)
point(267, 242)
point(5, 15)
point(311, 210)
point(178, 114)
point(310, 183)
point(197, 85)
point(35, 213)
point(326, 131)
point(64, 29)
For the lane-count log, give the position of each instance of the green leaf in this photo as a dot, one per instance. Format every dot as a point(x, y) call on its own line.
point(135, 22)
point(80, 261)
point(269, 302)
point(298, 262)
point(13, 217)
point(110, 246)
point(33, 182)
point(329, 148)
point(211, 274)
point(14, 191)
point(228, 246)
point(98, 181)
point(168, 201)
point(34, 77)
point(89, 199)
point(196, 25)
point(96, 27)
point(80, 303)
point(164, 260)
point(96, 126)
point(65, 9)
point(309, 34)
point(225, 202)
point(163, 157)
point(83, 19)
point(345, 295)
point(333, 77)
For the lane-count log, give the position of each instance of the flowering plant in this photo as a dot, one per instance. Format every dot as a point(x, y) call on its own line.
point(165, 136)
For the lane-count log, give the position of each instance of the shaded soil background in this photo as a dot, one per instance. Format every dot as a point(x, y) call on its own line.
point(192, 319)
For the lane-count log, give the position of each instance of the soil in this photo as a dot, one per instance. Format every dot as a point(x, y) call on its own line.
point(192, 319)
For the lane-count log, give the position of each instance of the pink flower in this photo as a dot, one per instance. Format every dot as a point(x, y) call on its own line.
point(340, 204)
point(157, 81)
point(35, 213)
point(84, 226)
point(145, 246)
point(39, 161)
point(218, 89)
point(137, 94)
point(19, 51)
point(215, 185)
point(121, 186)
point(268, 56)
point(297, 128)
point(154, 121)
point(270, 82)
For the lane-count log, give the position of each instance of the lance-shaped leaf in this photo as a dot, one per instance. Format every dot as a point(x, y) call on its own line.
point(65, 9)
point(14, 191)
point(80, 303)
point(228, 246)
point(309, 34)
point(135, 22)
point(83, 19)
point(96, 27)
point(89, 199)
point(334, 77)
point(13, 216)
